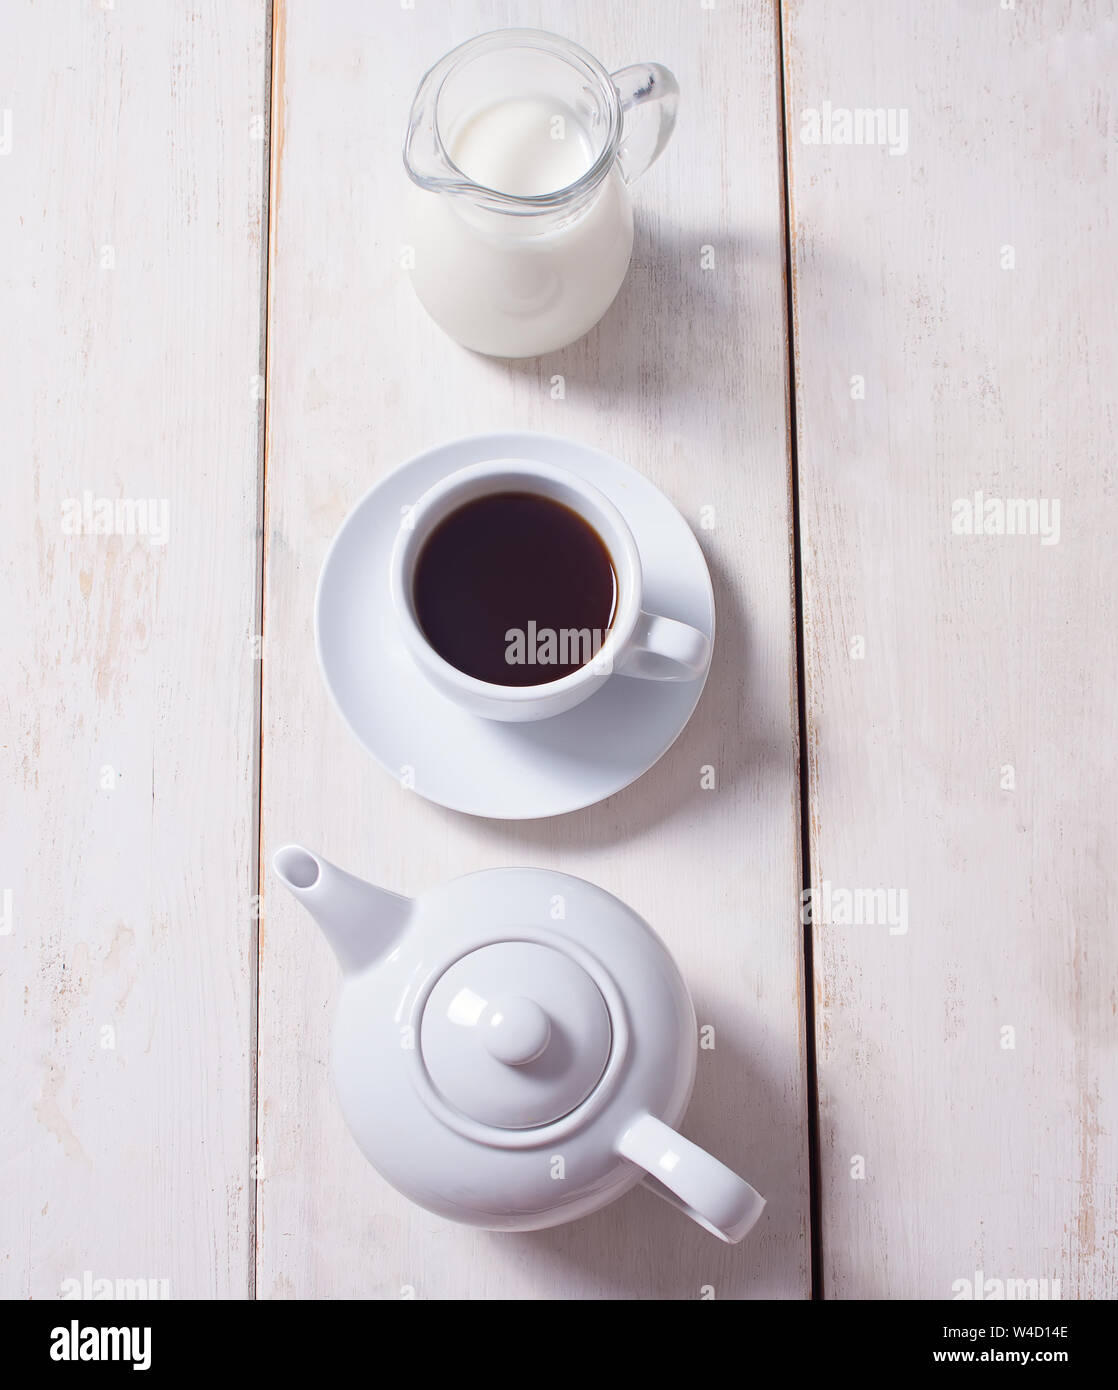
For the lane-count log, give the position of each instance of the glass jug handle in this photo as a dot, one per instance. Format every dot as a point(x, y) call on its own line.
point(649, 100)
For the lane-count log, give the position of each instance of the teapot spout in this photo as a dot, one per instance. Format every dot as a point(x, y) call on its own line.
point(360, 921)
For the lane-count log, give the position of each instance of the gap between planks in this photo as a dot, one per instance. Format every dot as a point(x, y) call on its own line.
point(815, 1175)
point(273, 77)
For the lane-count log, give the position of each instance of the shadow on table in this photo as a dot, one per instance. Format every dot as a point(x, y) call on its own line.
point(667, 335)
point(655, 345)
point(721, 733)
point(642, 1247)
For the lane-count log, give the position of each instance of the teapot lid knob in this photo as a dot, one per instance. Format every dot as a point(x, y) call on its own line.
point(515, 1034)
point(516, 1029)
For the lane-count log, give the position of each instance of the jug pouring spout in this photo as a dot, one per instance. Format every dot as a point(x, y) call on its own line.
point(425, 157)
point(360, 921)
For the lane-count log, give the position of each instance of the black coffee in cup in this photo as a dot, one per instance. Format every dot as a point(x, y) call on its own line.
point(515, 588)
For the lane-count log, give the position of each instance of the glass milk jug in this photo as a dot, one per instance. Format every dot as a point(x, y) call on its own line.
point(521, 148)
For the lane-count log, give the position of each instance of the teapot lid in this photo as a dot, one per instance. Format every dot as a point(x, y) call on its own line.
point(515, 1035)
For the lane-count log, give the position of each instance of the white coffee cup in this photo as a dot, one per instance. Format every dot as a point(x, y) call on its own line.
point(637, 644)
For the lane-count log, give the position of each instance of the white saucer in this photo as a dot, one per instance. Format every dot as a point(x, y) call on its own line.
point(480, 766)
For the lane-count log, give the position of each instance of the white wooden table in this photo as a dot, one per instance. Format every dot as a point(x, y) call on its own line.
point(823, 348)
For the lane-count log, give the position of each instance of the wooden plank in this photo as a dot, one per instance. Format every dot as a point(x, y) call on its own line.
point(131, 220)
point(686, 379)
point(967, 757)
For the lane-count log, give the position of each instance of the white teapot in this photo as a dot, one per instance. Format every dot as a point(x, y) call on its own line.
point(514, 1049)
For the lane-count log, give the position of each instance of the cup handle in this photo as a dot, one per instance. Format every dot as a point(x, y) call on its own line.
point(646, 132)
point(691, 1179)
point(662, 649)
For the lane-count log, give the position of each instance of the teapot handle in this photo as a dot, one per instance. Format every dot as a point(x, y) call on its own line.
point(648, 130)
point(691, 1179)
